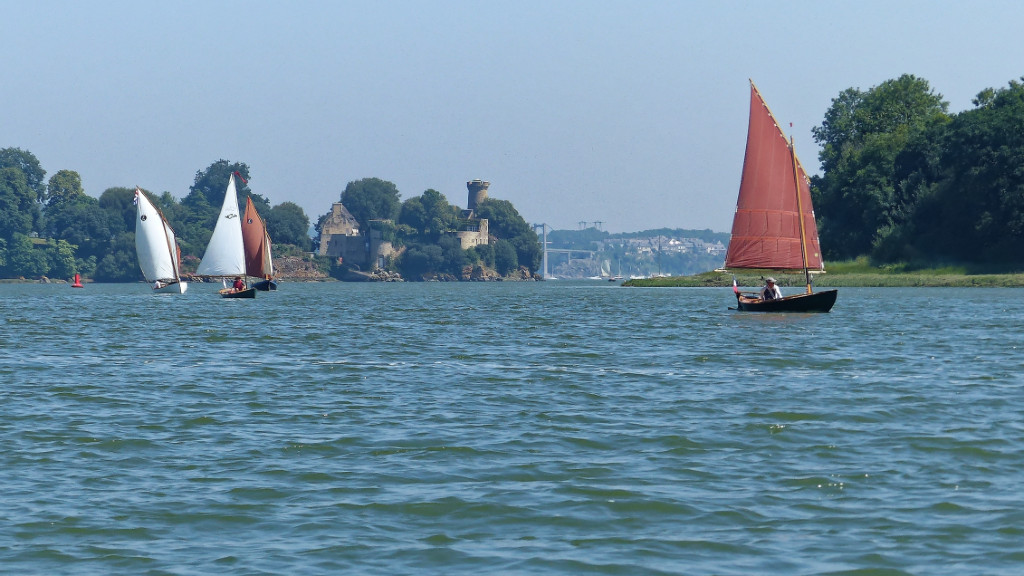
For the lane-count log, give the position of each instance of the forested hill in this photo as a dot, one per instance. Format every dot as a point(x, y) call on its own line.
point(904, 180)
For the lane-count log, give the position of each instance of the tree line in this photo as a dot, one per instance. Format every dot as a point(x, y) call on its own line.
point(53, 228)
point(905, 181)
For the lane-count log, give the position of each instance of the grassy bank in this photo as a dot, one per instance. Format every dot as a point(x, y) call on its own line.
point(858, 273)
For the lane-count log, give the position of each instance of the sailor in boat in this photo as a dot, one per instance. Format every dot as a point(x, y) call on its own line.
point(770, 290)
point(238, 286)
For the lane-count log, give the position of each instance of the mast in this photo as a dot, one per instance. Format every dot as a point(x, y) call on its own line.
point(170, 245)
point(800, 213)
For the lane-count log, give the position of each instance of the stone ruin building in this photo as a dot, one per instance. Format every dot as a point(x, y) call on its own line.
point(341, 238)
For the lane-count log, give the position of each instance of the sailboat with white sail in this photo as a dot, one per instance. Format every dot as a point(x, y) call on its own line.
point(155, 246)
point(225, 254)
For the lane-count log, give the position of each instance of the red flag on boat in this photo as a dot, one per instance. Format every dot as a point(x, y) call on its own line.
point(735, 288)
point(240, 177)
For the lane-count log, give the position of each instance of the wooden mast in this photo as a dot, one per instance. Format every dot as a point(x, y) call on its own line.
point(800, 214)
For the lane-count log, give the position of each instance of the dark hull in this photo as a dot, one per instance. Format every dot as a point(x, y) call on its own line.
point(265, 285)
point(815, 302)
point(247, 293)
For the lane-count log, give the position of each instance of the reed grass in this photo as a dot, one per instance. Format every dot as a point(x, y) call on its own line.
point(853, 273)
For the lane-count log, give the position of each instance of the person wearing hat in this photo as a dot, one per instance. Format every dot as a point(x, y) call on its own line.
point(770, 290)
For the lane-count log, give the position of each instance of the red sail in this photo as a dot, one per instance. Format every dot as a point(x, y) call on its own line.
point(766, 227)
point(253, 233)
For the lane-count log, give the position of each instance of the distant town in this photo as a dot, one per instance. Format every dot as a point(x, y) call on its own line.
point(593, 253)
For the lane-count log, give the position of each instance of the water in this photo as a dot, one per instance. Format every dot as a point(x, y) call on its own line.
point(510, 428)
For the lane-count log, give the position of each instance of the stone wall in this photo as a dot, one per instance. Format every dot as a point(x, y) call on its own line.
point(475, 236)
point(360, 251)
point(340, 223)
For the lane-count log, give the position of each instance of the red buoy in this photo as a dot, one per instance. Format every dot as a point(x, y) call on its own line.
point(78, 282)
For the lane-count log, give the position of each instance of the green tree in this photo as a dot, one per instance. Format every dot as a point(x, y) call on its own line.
point(212, 182)
point(120, 263)
point(505, 259)
point(482, 253)
point(420, 260)
point(414, 215)
point(857, 199)
point(453, 257)
point(24, 259)
point(430, 215)
point(287, 223)
point(371, 199)
point(917, 171)
point(441, 215)
point(194, 223)
point(504, 222)
point(81, 222)
point(19, 211)
point(977, 209)
point(29, 165)
point(60, 259)
point(119, 204)
point(86, 266)
point(64, 186)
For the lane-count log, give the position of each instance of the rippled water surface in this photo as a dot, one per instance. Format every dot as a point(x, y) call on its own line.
point(511, 428)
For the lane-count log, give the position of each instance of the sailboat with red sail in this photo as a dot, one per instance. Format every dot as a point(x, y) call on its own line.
point(774, 227)
point(258, 261)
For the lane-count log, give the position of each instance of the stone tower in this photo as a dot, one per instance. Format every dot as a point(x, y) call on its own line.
point(477, 193)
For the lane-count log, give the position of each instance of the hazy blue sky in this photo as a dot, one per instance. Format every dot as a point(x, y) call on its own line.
point(628, 112)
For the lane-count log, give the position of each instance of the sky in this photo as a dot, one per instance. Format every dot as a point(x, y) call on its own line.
point(629, 113)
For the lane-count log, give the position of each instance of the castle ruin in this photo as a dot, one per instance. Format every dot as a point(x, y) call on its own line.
point(341, 238)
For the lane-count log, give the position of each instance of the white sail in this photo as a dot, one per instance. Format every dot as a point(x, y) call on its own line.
point(268, 261)
point(155, 246)
point(225, 254)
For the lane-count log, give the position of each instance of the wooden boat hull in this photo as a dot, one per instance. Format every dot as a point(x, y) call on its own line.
point(814, 302)
point(265, 285)
point(247, 293)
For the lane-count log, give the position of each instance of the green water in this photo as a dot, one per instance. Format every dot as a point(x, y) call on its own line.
point(508, 428)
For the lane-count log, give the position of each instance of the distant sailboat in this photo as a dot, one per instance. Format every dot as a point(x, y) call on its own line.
point(157, 251)
point(774, 226)
point(225, 254)
point(258, 261)
point(618, 276)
